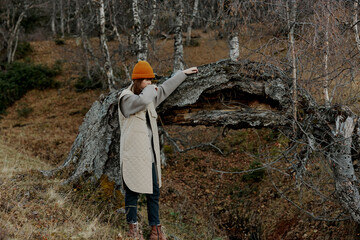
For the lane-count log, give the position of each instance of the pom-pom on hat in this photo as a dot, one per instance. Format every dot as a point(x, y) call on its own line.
point(142, 70)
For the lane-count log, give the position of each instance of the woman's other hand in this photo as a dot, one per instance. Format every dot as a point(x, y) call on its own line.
point(190, 70)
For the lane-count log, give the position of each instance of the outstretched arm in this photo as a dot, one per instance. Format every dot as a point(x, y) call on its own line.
point(164, 90)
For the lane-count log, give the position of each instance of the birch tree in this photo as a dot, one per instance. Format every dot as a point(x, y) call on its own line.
point(178, 46)
point(11, 25)
point(232, 28)
point(141, 32)
point(291, 9)
point(68, 20)
point(189, 28)
point(88, 52)
point(326, 56)
point(62, 18)
point(53, 18)
point(105, 50)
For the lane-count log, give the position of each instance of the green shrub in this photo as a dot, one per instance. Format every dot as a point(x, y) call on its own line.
point(24, 110)
point(168, 149)
point(84, 83)
point(254, 176)
point(194, 43)
point(18, 78)
point(35, 18)
point(23, 50)
point(59, 41)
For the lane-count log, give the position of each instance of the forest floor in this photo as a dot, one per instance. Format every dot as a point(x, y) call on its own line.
point(197, 202)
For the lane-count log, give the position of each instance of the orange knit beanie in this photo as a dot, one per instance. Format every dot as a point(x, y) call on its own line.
point(142, 70)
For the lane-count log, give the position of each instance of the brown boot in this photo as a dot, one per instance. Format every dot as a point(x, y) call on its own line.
point(135, 232)
point(157, 233)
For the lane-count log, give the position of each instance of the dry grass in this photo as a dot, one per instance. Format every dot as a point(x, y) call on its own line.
point(35, 207)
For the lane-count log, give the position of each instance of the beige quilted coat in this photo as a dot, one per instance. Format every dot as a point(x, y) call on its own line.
point(135, 149)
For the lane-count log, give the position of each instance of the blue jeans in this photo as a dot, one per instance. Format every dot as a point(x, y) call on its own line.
point(131, 200)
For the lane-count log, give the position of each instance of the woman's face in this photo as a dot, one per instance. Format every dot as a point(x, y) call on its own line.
point(144, 83)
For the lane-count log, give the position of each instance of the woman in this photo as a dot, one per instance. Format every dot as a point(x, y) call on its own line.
point(139, 144)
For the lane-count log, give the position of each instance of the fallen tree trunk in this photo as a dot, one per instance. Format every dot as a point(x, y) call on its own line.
point(241, 94)
point(223, 93)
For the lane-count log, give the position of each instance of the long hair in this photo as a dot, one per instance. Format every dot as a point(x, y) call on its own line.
point(136, 86)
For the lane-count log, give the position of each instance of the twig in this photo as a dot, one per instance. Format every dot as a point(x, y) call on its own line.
point(201, 145)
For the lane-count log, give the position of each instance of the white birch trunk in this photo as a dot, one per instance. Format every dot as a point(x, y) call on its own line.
point(62, 26)
point(68, 17)
point(145, 37)
point(53, 18)
point(13, 39)
point(114, 22)
point(188, 38)
point(105, 50)
point(127, 73)
point(326, 58)
point(15, 46)
point(291, 9)
point(234, 46)
point(77, 14)
point(137, 35)
point(178, 46)
point(355, 20)
point(341, 160)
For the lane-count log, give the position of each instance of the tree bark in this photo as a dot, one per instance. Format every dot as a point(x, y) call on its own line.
point(326, 57)
point(178, 46)
point(53, 18)
point(355, 23)
point(105, 50)
point(341, 158)
point(234, 46)
point(68, 17)
point(77, 14)
point(141, 56)
point(14, 36)
point(189, 28)
point(62, 18)
point(147, 31)
point(292, 5)
point(141, 34)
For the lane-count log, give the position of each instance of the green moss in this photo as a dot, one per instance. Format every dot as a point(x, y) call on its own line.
point(256, 175)
point(168, 149)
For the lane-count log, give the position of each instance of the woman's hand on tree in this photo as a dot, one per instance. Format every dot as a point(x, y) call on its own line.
point(190, 70)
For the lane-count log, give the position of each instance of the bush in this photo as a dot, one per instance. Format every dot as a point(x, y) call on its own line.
point(18, 78)
point(59, 41)
point(255, 176)
point(168, 149)
point(194, 43)
point(23, 49)
point(24, 110)
point(84, 83)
